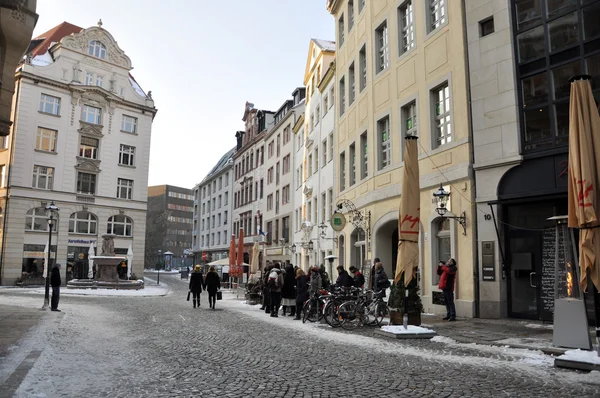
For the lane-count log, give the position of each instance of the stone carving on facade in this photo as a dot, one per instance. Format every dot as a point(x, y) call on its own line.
point(76, 72)
point(80, 43)
point(97, 63)
point(93, 130)
point(87, 165)
point(113, 82)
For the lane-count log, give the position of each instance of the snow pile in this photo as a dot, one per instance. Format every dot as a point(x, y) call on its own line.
point(409, 330)
point(581, 356)
point(539, 326)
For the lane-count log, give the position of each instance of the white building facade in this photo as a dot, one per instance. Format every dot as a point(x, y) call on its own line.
point(80, 138)
point(314, 205)
point(213, 205)
point(279, 186)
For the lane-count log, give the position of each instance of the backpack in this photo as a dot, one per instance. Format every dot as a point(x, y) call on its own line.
point(273, 282)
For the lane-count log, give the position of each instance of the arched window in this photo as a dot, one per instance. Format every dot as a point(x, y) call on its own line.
point(37, 220)
point(120, 225)
point(97, 49)
point(83, 222)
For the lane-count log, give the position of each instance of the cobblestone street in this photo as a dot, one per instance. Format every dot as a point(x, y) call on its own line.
point(161, 346)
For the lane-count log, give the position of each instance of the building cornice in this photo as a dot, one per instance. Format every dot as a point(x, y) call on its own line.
point(332, 6)
point(298, 124)
point(327, 78)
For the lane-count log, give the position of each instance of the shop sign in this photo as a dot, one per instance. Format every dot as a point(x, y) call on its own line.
point(278, 251)
point(82, 241)
point(29, 254)
point(338, 222)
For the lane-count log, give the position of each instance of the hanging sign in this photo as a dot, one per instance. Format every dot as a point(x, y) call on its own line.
point(338, 222)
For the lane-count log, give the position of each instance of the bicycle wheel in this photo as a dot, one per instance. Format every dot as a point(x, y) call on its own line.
point(381, 311)
point(349, 315)
point(309, 312)
point(330, 312)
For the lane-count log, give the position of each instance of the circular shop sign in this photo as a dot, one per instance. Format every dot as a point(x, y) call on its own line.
point(338, 222)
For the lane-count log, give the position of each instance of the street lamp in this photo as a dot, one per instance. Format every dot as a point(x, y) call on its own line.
point(158, 267)
point(442, 196)
point(293, 248)
point(52, 213)
point(310, 245)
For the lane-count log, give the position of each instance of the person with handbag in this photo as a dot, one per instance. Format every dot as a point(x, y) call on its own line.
point(196, 282)
point(212, 284)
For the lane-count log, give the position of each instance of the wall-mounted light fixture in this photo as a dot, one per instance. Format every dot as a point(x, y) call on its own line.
point(442, 196)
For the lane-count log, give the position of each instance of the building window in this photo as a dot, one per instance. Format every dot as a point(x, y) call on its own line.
point(342, 171)
point(486, 27)
point(317, 115)
point(126, 155)
point(89, 78)
point(285, 195)
point(350, 15)
point(385, 151)
point(443, 125)
point(324, 153)
point(342, 95)
point(50, 104)
point(86, 183)
point(270, 202)
point(364, 170)
point(45, 140)
point(129, 124)
point(352, 82)
point(83, 222)
point(437, 14)
point(444, 248)
point(88, 147)
point(362, 61)
point(330, 157)
point(97, 49)
point(332, 96)
point(352, 167)
point(91, 114)
point(309, 166)
point(406, 28)
point(325, 104)
point(409, 119)
point(42, 177)
point(37, 220)
point(341, 30)
point(285, 229)
point(382, 46)
point(124, 188)
point(361, 5)
point(3, 176)
point(120, 225)
point(99, 81)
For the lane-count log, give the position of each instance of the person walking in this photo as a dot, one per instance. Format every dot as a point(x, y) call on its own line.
point(55, 282)
point(447, 274)
point(266, 304)
point(275, 284)
point(301, 291)
point(380, 279)
point(316, 283)
point(196, 282)
point(288, 292)
point(212, 283)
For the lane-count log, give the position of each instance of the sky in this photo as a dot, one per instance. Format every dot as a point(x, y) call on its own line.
point(203, 60)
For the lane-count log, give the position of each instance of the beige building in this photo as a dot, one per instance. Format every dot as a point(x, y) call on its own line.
point(401, 69)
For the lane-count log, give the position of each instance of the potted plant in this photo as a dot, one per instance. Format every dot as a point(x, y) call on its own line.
point(396, 303)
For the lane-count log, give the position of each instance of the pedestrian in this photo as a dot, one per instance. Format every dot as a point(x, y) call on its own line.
point(55, 282)
point(447, 274)
point(212, 283)
point(288, 292)
point(301, 292)
point(275, 284)
point(316, 283)
point(266, 305)
point(380, 279)
point(358, 278)
point(324, 277)
point(196, 282)
point(343, 279)
point(372, 272)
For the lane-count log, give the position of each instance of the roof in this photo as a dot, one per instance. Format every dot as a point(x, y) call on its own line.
point(54, 35)
point(221, 163)
point(325, 45)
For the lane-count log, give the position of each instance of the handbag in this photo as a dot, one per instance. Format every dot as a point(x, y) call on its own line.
point(188, 297)
point(219, 295)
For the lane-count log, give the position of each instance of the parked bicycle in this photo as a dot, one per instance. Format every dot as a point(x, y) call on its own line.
point(312, 310)
point(363, 311)
point(334, 301)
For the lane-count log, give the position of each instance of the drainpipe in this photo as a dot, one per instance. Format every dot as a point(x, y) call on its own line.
point(8, 179)
point(476, 288)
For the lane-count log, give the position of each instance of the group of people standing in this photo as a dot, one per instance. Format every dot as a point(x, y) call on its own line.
point(211, 283)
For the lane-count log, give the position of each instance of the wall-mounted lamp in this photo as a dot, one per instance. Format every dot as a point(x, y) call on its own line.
point(442, 196)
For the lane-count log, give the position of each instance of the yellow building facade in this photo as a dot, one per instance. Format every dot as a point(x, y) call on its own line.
point(401, 69)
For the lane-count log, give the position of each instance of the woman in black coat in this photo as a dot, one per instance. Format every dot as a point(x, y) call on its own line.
point(302, 295)
point(288, 291)
point(212, 283)
point(196, 282)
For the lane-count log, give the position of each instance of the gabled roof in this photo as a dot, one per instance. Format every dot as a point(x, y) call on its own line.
point(323, 46)
point(54, 35)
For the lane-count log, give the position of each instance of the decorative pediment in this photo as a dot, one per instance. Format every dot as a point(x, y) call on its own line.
point(307, 191)
point(86, 165)
point(80, 42)
point(308, 143)
point(93, 130)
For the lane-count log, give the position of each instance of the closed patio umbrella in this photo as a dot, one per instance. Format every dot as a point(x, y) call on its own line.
point(91, 261)
point(46, 261)
point(232, 252)
point(254, 260)
point(129, 261)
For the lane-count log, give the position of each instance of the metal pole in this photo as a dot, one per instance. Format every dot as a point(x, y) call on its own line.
point(47, 292)
point(405, 317)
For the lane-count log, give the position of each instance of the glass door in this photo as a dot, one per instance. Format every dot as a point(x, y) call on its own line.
point(524, 275)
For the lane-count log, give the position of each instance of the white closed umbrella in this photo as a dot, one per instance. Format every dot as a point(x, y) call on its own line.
point(129, 261)
point(46, 261)
point(91, 261)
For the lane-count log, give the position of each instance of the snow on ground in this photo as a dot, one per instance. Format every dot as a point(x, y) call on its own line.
point(410, 329)
point(526, 361)
point(581, 356)
point(539, 326)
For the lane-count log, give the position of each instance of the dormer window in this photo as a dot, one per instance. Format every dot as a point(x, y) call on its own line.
point(97, 49)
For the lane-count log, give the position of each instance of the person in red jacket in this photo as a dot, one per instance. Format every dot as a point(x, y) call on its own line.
point(447, 272)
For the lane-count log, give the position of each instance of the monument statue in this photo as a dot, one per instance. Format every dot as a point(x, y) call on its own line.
point(108, 245)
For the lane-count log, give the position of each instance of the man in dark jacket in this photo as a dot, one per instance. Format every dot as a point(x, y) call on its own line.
point(447, 274)
point(359, 279)
point(196, 282)
point(380, 279)
point(288, 292)
point(55, 283)
point(343, 280)
point(275, 284)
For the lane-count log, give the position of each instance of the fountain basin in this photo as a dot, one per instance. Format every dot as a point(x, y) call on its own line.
point(95, 284)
